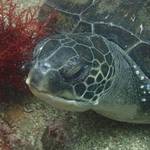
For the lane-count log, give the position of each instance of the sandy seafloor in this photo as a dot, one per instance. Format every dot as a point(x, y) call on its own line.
point(78, 131)
point(28, 120)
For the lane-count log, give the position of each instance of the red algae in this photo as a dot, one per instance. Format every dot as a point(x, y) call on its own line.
point(20, 30)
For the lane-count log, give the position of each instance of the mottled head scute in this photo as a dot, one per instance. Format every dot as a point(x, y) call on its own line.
point(99, 60)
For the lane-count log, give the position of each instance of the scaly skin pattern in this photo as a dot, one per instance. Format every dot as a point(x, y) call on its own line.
point(129, 96)
point(102, 63)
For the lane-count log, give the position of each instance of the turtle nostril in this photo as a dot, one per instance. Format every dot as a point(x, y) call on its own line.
point(26, 67)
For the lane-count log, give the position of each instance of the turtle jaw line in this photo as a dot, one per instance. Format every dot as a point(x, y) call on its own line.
point(56, 97)
point(37, 92)
point(61, 103)
point(61, 98)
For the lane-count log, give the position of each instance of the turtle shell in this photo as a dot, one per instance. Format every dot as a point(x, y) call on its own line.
point(125, 22)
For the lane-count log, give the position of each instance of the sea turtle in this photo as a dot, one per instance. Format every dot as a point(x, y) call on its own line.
point(99, 60)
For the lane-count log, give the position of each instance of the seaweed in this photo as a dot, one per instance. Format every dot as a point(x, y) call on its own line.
point(20, 30)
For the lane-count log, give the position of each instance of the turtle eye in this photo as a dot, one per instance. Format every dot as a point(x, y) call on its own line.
point(74, 71)
point(72, 74)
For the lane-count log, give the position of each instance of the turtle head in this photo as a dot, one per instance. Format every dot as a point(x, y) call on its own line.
point(54, 77)
point(72, 77)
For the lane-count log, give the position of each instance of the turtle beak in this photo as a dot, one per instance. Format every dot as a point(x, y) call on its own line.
point(44, 79)
point(34, 78)
point(28, 81)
